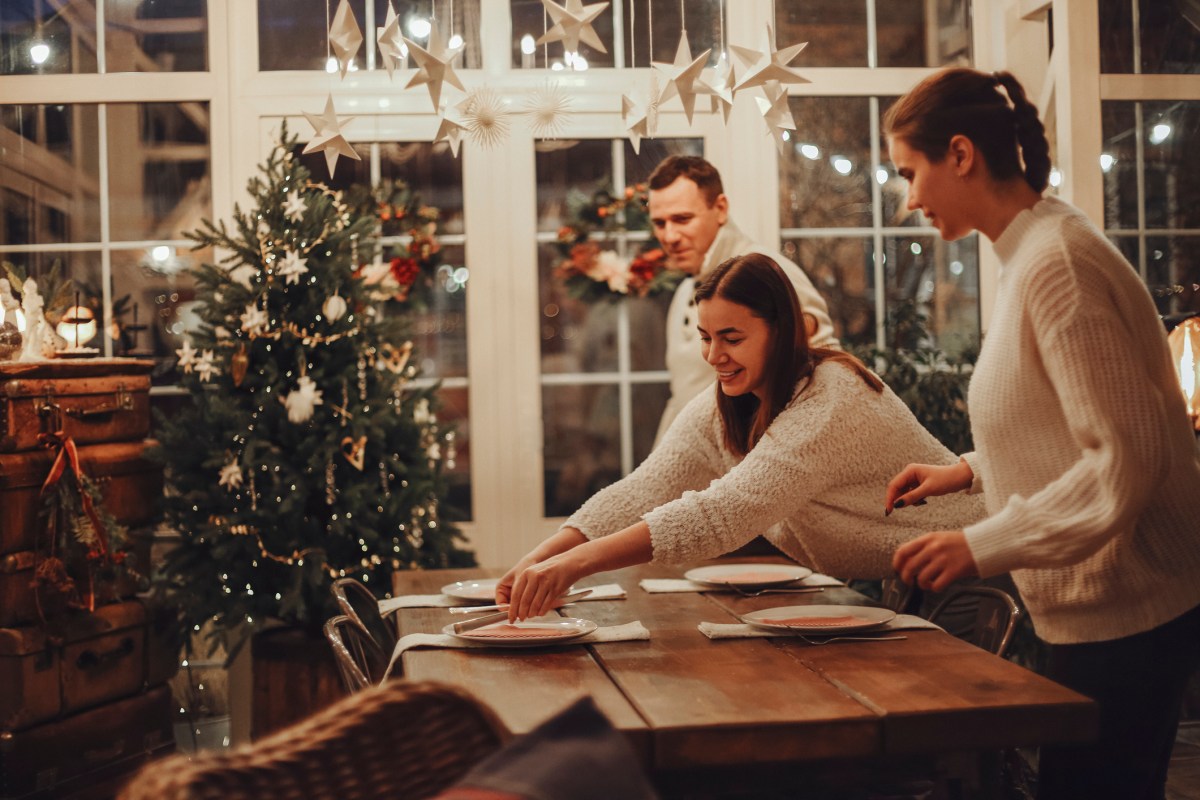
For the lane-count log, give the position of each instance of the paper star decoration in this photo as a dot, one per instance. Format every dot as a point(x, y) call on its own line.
point(206, 366)
point(636, 115)
point(451, 128)
point(301, 402)
point(769, 64)
point(682, 75)
point(254, 320)
point(329, 137)
point(547, 109)
point(231, 476)
point(433, 64)
point(293, 267)
point(187, 356)
point(776, 112)
point(573, 24)
point(345, 37)
point(294, 207)
point(392, 50)
point(719, 86)
point(485, 116)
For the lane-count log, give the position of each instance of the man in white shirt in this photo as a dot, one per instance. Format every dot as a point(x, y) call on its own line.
point(689, 214)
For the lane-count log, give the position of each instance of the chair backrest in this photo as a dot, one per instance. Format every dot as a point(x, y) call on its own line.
point(359, 604)
point(982, 615)
point(403, 740)
point(356, 655)
point(898, 596)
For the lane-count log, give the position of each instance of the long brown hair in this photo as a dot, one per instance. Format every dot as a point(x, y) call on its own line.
point(755, 282)
point(962, 101)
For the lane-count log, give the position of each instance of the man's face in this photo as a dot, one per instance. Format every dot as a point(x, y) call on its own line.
point(685, 224)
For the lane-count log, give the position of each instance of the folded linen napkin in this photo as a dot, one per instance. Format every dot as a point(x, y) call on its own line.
point(662, 585)
point(629, 632)
point(607, 591)
point(740, 630)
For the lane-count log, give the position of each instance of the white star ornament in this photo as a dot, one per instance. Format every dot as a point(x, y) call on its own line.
point(769, 64)
point(573, 24)
point(719, 87)
point(636, 115)
point(345, 37)
point(433, 64)
point(776, 112)
point(682, 76)
point(391, 44)
point(329, 137)
point(451, 127)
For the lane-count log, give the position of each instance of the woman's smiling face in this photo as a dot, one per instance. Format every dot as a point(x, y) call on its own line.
point(736, 344)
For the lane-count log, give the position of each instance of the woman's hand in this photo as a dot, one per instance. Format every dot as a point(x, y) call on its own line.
point(560, 542)
point(917, 481)
point(935, 560)
point(536, 589)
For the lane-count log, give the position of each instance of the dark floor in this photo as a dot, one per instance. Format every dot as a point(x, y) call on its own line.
point(1183, 781)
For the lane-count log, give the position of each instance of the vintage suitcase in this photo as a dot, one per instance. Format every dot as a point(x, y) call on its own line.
point(87, 755)
point(131, 487)
point(94, 400)
point(89, 659)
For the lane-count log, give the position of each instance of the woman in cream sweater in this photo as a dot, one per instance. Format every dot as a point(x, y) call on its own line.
point(1084, 452)
point(794, 442)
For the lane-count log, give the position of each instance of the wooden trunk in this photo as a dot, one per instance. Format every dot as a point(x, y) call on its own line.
point(294, 676)
point(101, 400)
point(90, 754)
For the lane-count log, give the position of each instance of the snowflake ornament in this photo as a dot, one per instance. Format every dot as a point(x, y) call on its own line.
point(231, 476)
point(294, 207)
point(292, 267)
point(187, 356)
point(206, 366)
point(547, 109)
point(255, 320)
point(303, 401)
point(485, 116)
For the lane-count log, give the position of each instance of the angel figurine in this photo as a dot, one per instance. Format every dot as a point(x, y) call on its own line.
point(35, 322)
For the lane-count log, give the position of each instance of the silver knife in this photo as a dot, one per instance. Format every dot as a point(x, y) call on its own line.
point(488, 619)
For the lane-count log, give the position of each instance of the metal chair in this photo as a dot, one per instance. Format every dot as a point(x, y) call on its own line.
point(406, 739)
point(360, 605)
point(359, 660)
point(982, 615)
point(898, 596)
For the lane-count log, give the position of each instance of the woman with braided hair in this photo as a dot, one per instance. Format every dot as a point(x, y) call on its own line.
point(1084, 452)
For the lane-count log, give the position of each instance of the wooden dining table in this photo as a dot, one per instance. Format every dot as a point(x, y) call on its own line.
point(703, 712)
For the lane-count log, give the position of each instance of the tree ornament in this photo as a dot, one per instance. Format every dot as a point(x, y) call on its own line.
point(294, 207)
point(394, 359)
point(303, 400)
point(451, 127)
point(433, 64)
point(206, 366)
point(231, 476)
point(345, 37)
point(392, 51)
point(187, 357)
point(776, 112)
point(485, 116)
point(334, 307)
point(573, 24)
point(292, 267)
point(329, 138)
point(682, 75)
point(768, 64)
point(330, 486)
point(239, 362)
point(355, 451)
point(255, 321)
point(547, 108)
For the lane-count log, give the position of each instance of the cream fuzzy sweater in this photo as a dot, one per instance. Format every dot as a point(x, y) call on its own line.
point(1084, 451)
point(813, 485)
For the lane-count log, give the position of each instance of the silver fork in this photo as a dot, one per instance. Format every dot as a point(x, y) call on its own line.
point(811, 641)
point(804, 590)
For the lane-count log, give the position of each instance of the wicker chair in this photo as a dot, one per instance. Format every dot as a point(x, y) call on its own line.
point(405, 740)
point(982, 615)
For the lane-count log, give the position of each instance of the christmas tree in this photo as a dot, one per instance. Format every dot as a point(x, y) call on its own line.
point(303, 453)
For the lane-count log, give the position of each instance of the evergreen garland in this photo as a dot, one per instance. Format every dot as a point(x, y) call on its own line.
point(303, 453)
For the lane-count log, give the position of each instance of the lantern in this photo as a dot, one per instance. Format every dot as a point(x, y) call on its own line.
point(1184, 341)
point(78, 326)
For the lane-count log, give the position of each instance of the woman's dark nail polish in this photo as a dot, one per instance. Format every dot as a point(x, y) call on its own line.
point(899, 504)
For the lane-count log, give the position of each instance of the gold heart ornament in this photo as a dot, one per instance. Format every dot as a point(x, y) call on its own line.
point(395, 359)
point(354, 450)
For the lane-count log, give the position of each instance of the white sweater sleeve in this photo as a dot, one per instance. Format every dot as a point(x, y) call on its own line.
point(1116, 418)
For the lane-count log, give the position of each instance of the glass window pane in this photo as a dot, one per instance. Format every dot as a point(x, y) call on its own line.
point(919, 33)
point(1171, 132)
point(567, 172)
point(836, 31)
point(43, 38)
point(153, 296)
point(49, 175)
point(438, 321)
point(158, 169)
point(1169, 41)
point(1116, 35)
point(62, 278)
point(429, 170)
point(942, 280)
point(454, 412)
point(292, 34)
point(156, 36)
point(649, 400)
point(1118, 161)
point(1173, 272)
point(826, 173)
point(841, 269)
point(582, 449)
point(577, 336)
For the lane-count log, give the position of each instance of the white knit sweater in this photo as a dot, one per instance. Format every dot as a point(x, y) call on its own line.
point(813, 485)
point(1084, 451)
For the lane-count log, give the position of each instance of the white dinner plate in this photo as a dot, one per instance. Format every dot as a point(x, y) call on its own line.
point(748, 576)
point(481, 591)
point(819, 619)
point(526, 633)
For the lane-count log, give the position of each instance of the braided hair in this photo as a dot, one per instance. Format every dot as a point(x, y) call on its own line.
point(961, 101)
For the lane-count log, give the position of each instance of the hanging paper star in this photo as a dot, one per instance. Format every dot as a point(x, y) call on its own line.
point(254, 320)
point(301, 402)
point(206, 366)
point(573, 24)
point(392, 51)
point(329, 137)
point(776, 112)
point(433, 64)
point(231, 476)
point(345, 37)
point(769, 64)
point(187, 356)
point(292, 267)
point(485, 116)
point(682, 75)
point(636, 116)
point(451, 127)
point(720, 88)
point(294, 207)
point(547, 109)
